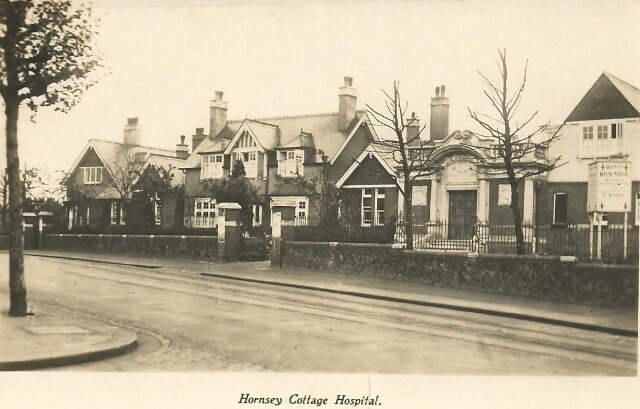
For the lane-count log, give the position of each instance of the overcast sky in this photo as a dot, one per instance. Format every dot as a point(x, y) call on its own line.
point(166, 59)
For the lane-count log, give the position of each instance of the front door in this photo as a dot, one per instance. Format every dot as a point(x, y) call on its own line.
point(462, 214)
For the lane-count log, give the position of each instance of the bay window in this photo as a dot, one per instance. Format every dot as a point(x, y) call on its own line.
point(291, 163)
point(250, 161)
point(205, 212)
point(211, 166)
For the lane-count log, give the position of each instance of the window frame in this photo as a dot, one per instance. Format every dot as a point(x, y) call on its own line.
point(603, 132)
point(211, 166)
point(92, 175)
point(376, 214)
point(566, 208)
point(291, 163)
point(205, 216)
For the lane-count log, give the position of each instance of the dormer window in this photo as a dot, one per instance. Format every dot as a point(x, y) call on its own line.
point(211, 166)
point(291, 163)
point(92, 175)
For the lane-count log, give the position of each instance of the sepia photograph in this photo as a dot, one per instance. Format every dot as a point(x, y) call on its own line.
point(337, 203)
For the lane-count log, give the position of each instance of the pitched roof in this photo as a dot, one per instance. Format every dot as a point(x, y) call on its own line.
point(111, 152)
point(631, 93)
point(608, 98)
point(212, 145)
point(317, 131)
point(174, 164)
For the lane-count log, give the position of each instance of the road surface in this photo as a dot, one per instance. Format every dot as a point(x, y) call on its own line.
point(187, 322)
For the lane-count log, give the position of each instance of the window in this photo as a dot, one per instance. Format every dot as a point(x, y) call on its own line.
point(560, 203)
point(291, 163)
point(637, 209)
point(249, 159)
point(616, 131)
point(211, 167)
point(92, 175)
point(301, 211)
point(257, 214)
point(114, 213)
point(379, 206)
point(367, 202)
point(157, 213)
point(373, 206)
point(587, 132)
point(205, 212)
point(603, 132)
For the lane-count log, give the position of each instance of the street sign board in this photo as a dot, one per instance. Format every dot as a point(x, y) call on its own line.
point(609, 187)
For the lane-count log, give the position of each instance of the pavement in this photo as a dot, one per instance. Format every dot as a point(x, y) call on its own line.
point(55, 336)
point(52, 336)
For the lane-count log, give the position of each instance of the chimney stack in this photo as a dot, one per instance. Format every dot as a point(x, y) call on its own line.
point(197, 138)
point(346, 104)
point(413, 129)
point(439, 128)
point(182, 150)
point(132, 132)
point(217, 115)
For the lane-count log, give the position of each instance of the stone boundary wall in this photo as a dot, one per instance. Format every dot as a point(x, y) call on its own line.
point(551, 278)
point(193, 247)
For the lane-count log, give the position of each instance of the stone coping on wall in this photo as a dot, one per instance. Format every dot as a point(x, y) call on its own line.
point(482, 256)
point(183, 236)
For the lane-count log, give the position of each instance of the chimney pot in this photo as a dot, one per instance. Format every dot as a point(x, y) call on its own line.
point(412, 131)
point(182, 150)
point(197, 138)
point(132, 132)
point(439, 125)
point(347, 100)
point(217, 115)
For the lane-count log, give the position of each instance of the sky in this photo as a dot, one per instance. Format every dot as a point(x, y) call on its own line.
point(166, 59)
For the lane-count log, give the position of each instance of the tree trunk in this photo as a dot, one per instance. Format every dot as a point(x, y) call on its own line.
point(408, 214)
point(517, 222)
point(18, 290)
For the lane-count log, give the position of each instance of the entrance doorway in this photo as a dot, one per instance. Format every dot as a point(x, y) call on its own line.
point(462, 214)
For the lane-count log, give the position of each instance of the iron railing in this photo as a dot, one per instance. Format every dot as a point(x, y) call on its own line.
point(567, 240)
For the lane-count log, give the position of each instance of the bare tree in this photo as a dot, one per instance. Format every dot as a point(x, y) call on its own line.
point(405, 150)
point(521, 148)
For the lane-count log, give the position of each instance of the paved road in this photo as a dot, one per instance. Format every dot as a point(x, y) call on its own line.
point(187, 322)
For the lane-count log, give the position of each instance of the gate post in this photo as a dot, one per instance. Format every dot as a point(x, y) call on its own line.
point(276, 237)
point(229, 231)
point(42, 227)
point(280, 232)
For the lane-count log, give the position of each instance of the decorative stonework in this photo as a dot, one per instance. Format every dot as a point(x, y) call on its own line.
point(460, 171)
